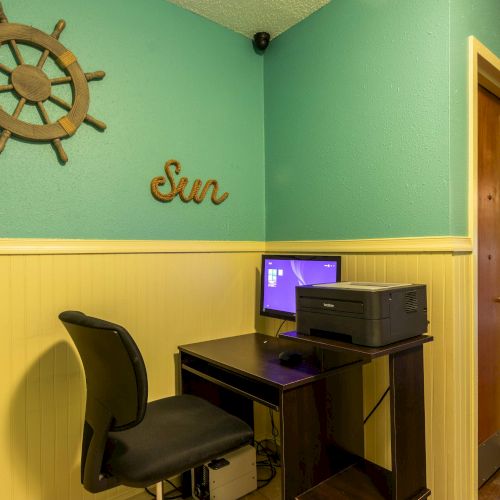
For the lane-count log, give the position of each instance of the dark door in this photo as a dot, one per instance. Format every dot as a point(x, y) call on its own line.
point(488, 283)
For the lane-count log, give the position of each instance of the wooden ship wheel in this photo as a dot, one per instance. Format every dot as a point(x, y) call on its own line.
point(30, 84)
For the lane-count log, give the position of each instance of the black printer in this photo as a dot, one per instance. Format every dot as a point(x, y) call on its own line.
point(368, 314)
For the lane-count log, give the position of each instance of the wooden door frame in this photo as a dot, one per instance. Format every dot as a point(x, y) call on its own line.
point(484, 69)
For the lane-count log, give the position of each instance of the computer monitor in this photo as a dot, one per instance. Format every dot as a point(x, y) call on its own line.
point(280, 274)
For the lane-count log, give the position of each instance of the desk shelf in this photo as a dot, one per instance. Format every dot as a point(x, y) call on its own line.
point(247, 387)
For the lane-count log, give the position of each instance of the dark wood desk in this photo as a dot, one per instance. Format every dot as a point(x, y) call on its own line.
point(321, 412)
point(320, 403)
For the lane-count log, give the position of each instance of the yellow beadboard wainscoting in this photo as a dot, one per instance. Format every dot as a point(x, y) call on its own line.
point(449, 374)
point(171, 293)
point(445, 266)
point(163, 299)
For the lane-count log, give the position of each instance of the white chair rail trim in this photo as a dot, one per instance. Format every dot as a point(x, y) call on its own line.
point(35, 246)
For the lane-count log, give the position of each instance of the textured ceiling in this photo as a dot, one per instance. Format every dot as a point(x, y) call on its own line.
point(251, 16)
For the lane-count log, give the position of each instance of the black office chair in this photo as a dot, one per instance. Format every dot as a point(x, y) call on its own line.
point(127, 440)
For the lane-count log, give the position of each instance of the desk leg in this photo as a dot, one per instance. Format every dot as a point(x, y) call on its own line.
point(407, 423)
point(321, 427)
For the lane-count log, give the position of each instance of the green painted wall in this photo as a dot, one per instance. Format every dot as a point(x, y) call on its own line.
point(366, 119)
point(480, 18)
point(357, 123)
point(365, 123)
point(177, 86)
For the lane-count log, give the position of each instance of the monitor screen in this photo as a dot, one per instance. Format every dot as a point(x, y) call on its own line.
point(280, 274)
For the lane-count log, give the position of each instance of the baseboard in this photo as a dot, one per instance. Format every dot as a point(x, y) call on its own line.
point(488, 458)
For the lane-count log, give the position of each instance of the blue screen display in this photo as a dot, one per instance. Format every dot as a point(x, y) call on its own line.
point(281, 274)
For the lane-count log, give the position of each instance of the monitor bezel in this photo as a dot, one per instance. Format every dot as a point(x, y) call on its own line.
point(275, 313)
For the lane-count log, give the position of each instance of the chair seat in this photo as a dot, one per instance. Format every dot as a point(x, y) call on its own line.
point(177, 433)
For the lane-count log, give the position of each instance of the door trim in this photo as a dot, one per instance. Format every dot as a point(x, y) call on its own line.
point(484, 69)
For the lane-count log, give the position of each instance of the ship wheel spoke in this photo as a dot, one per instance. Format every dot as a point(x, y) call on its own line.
point(89, 119)
point(43, 58)
point(96, 75)
point(12, 43)
point(5, 88)
point(60, 80)
point(61, 24)
point(56, 142)
point(19, 107)
point(4, 137)
point(16, 52)
point(5, 69)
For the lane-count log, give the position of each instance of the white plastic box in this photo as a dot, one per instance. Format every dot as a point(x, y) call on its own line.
point(226, 478)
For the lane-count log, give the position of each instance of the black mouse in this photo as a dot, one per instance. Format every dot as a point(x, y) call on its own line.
point(290, 357)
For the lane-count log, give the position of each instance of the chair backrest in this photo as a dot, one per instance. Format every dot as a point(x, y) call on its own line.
point(117, 387)
point(114, 368)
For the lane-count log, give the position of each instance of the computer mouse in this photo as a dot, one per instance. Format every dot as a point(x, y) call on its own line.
point(290, 357)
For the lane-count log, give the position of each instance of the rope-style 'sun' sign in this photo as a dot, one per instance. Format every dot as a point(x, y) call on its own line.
point(178, 188)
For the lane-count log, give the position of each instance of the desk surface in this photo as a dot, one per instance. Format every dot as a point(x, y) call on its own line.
point(255, 355)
